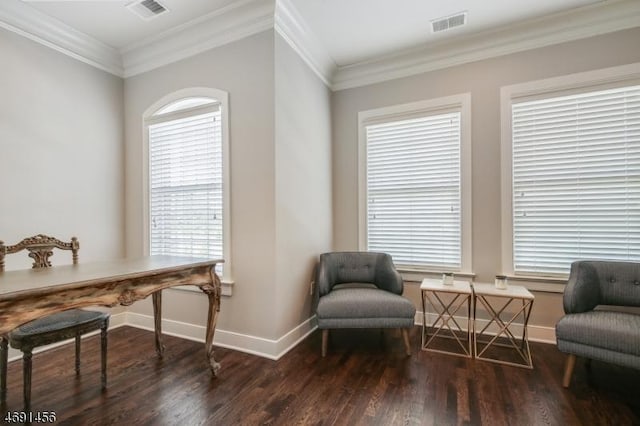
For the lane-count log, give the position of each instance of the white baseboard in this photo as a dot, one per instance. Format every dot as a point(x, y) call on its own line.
point(266, 348)
point(537, 333)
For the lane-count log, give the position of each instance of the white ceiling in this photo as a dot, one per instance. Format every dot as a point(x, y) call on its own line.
point(112, 23)
point(350, 31)
point(356, 30)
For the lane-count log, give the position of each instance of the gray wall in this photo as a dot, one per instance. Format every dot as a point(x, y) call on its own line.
point(280, 152)
point(244, 69)
point(61, 151)
point(483, 80)
point(303, 183)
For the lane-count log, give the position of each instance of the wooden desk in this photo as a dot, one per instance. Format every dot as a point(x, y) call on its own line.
point(29, 294)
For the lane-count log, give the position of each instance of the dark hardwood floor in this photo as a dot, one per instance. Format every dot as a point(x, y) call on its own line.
point(365, 379)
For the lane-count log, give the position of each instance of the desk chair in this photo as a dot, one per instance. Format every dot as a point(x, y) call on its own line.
point(52, 328)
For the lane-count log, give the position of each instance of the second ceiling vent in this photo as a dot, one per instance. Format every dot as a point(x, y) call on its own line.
point(147, 9)
point(449, 22)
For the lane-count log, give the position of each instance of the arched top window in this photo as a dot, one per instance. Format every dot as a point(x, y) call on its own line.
point(187, 148)
point(185, 103)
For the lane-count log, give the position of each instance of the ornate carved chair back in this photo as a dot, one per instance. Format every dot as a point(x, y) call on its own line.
point(40, 248)
point(52, 328)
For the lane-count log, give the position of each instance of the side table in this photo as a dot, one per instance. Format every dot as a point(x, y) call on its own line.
point(496, 302)
point(445, 324)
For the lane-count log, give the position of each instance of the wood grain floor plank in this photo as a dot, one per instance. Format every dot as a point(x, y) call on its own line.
point(365, 379)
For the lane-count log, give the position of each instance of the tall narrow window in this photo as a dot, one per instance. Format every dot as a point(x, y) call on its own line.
point(414, 196)
point(575, 179)
point(186, 212)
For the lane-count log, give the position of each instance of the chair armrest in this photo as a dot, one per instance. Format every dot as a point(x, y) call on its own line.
point(582, 292)
point(387, 276)
point(324, 276)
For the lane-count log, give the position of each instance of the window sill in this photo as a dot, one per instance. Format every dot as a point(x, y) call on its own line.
point(417, 275)
point(542, 284)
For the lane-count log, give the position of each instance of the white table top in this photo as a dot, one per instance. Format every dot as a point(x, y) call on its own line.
point(433, 284)
point(513, 291)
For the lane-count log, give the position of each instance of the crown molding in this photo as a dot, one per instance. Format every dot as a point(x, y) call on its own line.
point(231, 23)
point(296, 32)
point(29, 22)
point(244, 18)
point(562, 27)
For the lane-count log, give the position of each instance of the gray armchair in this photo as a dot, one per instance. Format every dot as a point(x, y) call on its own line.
point(361, 290)
point(593, 329)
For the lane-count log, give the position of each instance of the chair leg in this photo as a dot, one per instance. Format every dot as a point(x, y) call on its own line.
point(26, 374)
point(568, 370)
point(4, 353)
point(325, 341)
point(78, 354)
point(103, 347)
point(407, 344)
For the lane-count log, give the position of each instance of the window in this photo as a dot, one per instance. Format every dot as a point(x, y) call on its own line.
point(187, 181)
point(575, 178)
point(415, 192)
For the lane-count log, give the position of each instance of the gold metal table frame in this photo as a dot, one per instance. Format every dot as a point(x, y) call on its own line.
point(445, 325)
point(512, 296)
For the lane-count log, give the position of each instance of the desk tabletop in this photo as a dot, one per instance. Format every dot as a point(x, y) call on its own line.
point(17, 282)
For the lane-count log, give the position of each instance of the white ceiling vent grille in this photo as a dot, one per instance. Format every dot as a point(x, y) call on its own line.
point(453, 21)
point(147, 9)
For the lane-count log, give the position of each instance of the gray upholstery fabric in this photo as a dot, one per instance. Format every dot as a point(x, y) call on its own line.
point(592, 283)
point(591, 331)
point(366, 305)
point(600, 354)
point(366, 267)
point(360, 290)
point(57, 321)
point(616, 331)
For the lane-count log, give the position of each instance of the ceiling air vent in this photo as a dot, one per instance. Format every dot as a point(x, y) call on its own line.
point(147, 9)
point(443, 24)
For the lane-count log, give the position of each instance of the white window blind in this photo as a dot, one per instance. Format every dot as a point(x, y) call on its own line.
point(413, 190)
point(576, 180)
point(185, 159)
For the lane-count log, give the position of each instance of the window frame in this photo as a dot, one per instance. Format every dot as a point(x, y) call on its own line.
point(461, 102)
point(222, 98)
point(607, 78)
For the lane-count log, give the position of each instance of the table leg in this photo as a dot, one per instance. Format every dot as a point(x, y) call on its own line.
point(446, 321)
point(521, 346)
point(157, 318)
point(4, 353)
point(213, 293)
point(424, 318)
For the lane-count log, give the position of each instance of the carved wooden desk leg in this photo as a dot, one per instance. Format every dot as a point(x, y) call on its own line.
point(213, 293)
point(4, 354)
point(103, 353)
point(157, 317)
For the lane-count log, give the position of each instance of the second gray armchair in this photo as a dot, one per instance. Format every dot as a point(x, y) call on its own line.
point(361, 290)
point(594, 325)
